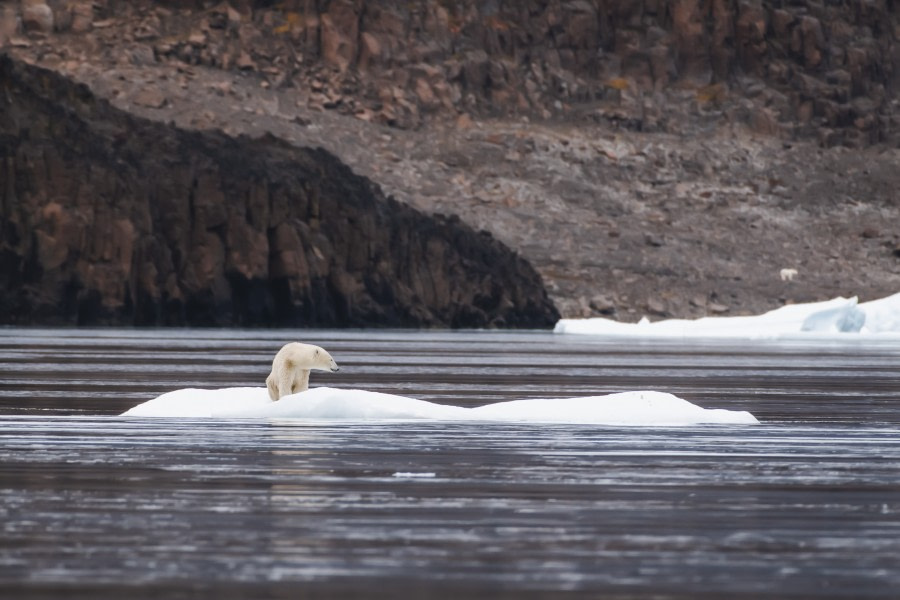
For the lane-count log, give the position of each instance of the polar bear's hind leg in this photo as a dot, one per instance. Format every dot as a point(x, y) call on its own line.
point(270, 383)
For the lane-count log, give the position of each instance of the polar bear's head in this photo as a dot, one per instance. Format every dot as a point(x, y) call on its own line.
point(321, 360)
point(304, 357)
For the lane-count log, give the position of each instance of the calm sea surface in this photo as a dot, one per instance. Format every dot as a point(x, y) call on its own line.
point(806, 505)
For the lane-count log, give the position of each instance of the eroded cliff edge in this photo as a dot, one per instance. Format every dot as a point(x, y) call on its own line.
point(108, 218)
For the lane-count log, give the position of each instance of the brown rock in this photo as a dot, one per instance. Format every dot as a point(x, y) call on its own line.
point(234, 17)
point(447, 95)
point(248, 249)
point(222, 88)
point(698, 301)
point(474, 70)
point(764, 122)
point(464, 121)
point(425, 95)
point(62, 17)
point(716, 308)
point(82, 16)
point(813, 40)
point(8, 24)
point(370, 53)
point(51, 252)
point(245, 62)
point(690, 47)
point(37, 16)
point(149, 97)
point(656, 306)
point(148, 29)
point(750, 33)
point(338, 33)
point(781, 22)
point(289, 257)
point(197, 38)
point(143, 55)
point(870, 233)
point(603, 305)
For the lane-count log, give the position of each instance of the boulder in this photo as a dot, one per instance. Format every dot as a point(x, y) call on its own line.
point(82, 16)
point(37, 16)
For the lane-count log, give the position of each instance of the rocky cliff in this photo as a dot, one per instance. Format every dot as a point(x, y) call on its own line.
point(110, 218)
point(647, 158)
point(826, 70)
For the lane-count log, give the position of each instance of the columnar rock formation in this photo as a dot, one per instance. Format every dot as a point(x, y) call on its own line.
point(829, 70)
point(823, 69)
point(108, 218)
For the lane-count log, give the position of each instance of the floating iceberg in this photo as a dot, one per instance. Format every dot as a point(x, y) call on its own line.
point(837, 316)
point(643, 408)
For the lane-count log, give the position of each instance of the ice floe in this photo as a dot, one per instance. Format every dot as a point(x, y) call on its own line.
point(639, 408)
point(837, 316)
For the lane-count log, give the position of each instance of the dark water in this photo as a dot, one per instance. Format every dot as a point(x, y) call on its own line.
point(94, 506)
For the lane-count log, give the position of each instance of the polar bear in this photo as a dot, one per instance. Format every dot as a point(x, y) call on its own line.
point(290, 369)
point(788, 274)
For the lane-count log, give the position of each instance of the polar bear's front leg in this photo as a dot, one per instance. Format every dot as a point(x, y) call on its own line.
point(300, 382)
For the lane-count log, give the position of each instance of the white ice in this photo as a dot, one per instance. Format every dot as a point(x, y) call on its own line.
point(643, 408)
point(837, 316)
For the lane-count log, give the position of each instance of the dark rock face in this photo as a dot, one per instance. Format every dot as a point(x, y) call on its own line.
point(110, 219)
point(826, 70)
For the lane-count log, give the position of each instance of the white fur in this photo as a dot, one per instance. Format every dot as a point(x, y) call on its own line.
point(788, 274)
point(290, 369)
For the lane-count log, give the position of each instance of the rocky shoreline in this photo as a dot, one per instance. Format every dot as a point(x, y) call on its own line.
point(642, 163)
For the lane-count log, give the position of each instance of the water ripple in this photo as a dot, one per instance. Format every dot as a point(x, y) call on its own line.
point(96, 506)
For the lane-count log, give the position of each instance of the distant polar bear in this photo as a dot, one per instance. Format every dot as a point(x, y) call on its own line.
point(788, 274)
point(290, 369)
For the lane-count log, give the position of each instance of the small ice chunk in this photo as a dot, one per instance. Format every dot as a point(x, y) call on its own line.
point(844, 319)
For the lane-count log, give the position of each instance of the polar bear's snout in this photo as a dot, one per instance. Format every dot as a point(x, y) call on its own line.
point(331, 365)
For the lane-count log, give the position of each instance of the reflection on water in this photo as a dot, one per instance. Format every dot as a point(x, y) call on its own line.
point(95, 506)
